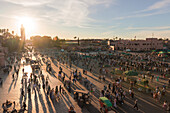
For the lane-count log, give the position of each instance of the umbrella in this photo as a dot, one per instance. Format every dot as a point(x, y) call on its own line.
point(127, 49)
point(168, 51)
point(106, 101)
point(161, 52)
point(128, 54)
point(131, 73)
point(123, 53)
point(106, 65)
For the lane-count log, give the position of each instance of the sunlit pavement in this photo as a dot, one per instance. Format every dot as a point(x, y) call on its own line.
point(39, 102)
point(10, 89)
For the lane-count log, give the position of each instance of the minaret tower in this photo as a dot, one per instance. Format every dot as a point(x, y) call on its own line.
point(22, 33)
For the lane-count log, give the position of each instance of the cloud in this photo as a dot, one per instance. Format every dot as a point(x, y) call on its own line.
point(158, 5)
point(29, 2)
point(162, 5)
point(149, 28)
point(74, 13)
point(142, 15)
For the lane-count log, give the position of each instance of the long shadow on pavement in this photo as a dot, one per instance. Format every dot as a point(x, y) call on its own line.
point(29, 106)
point(60, 106)
point(67, 100)
point(42, 103)
point(93, 78)
point(10, 86)
point(36, 103)
point(90, 108)
point(16, 79)
point(51, 73)
point(48, 103)
point(20, 100)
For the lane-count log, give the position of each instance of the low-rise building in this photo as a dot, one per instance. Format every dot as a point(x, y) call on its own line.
point(137, 45)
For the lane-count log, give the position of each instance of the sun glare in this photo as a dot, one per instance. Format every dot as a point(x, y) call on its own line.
point(28, 24)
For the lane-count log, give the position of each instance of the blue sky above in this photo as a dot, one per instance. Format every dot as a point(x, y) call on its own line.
point(89, 18)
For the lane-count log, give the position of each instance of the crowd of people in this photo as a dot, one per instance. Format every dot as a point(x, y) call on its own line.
point(94, 63)
point(138, 62)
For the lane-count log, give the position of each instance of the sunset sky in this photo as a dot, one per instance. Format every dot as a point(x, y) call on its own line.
point(88, 18)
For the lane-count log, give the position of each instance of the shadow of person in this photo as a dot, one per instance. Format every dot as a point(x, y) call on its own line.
point(15, 82)
point(36, 103)
point(10, 86)
point(42, 103)
point(29, 106)
point(48, 103)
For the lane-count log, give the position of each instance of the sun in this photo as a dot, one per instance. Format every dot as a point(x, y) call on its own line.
point(28, 24)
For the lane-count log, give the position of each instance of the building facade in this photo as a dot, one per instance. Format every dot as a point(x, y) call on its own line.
point(137, 45)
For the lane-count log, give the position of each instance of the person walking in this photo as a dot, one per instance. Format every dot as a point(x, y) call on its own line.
point(104, 78)
point(24, 106)
point(115, 101)
point(136, 105)
point(14, 105)
point(60, 89)
point(43, 86)
point(22, 92)
point(48, 90)
point(71, 110)
point(13, 76)
point(56, 90)
point(109, 86)
point(17, 73)
point(63, 77)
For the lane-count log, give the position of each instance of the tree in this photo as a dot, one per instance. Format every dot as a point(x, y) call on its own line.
point(12, 44)
point(56, 38)
point(77, 39)
point(42, 42)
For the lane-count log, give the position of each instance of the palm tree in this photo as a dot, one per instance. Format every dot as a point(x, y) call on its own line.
point(77, 39)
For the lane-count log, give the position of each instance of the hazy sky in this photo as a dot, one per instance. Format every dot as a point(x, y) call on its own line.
point(88, 18)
